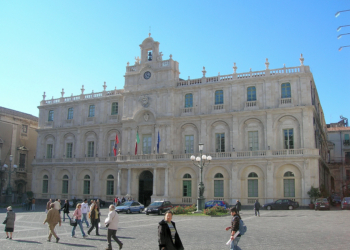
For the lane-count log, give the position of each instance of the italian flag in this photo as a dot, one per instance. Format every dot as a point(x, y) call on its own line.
point(137, 141)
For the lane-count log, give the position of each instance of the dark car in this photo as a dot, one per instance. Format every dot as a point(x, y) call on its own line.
point(345, 204)
point(214, 203)
point(336, 200)
point(130, 207)
point(322, 203)
point(281, 204)
point(158, 207)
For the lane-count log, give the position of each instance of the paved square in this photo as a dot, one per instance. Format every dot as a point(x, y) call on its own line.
point(283, 229)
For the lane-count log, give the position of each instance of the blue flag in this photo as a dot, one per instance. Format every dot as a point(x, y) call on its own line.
point(158, 143)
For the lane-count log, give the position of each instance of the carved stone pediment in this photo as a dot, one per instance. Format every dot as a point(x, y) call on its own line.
point(144, 100)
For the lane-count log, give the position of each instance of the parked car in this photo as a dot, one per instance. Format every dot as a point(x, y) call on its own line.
point(71, 202)
point(158, 207)
point(281, 204)
point(336, 200)
point(214, 203)
point(345, 204)
point(322, 203)
point(130, 207)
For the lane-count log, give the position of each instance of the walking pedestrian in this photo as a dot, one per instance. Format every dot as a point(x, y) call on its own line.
point(65, 209)
point(111, 222)
point(168, 237)
point(9, 222)
point(123, 199)
point(98, 203)
point(53, 218)
point(238, 206)
point(48, 204)
point(29, 204)
point(74, 202)
point(234, 228)
point(257, 208)
point(78, 214)
point(116, 201)
point(33, 204)
point(94, 218)
point(85, 210)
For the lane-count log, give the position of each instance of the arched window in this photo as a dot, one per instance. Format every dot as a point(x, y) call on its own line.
point(114, 108)
point(50, 119)
point(110, 185)
point(65, 184)
point(285, 90)
point(70, 114)
point(187, 186)
point(219, 97)
point(251, 94)
point(45, 184)
point(218, 185)
point(86, 184)
point(253, 188)
point(289, 184)
point(91, 110)
point(188, 100)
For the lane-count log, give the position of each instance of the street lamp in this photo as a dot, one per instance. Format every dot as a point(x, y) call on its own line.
point(339, 28)
point(200, 161)
point(338, 13)
point(343, 47)
point(9, 188)
point(343, 35)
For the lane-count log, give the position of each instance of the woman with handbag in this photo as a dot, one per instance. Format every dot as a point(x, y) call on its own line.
point(9, 222)
point(112, 225)
point(65, 209)
point(94, 218)
point(78, 214)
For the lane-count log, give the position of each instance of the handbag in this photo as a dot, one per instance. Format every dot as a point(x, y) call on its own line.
point(5, 221)
point(73, 222)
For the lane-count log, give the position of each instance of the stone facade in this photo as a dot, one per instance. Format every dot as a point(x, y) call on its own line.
point(18, 138)
point(265, 131)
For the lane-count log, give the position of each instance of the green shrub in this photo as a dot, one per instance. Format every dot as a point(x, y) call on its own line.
point(183, 209)
point(215, 210)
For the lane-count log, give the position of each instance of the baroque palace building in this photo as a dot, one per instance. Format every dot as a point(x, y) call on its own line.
point(265, 131)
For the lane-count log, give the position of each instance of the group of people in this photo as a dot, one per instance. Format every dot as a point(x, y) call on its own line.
point(29, 204)
point(117, 201)
point(81, 213)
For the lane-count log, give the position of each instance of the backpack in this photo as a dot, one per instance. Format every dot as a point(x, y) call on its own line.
point(242, 227)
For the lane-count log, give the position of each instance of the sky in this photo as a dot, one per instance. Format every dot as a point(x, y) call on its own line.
point(47, 46)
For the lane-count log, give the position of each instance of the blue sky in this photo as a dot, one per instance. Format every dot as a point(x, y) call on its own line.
point(50, 45)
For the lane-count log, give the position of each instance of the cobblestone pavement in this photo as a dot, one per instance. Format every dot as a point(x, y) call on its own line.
point(283, 229)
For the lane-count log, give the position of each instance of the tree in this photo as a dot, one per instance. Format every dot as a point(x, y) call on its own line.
point(313, 193)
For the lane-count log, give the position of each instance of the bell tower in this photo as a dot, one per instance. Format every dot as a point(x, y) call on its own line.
point(151, 71)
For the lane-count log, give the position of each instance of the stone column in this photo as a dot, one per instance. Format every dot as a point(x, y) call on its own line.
point(166, 182)
point(118, 184)
point(53, 188)
point(97, 184)
point(129, 180)
point(154, 182)
point(236, 184)
point(269, 180)
point(74, 184)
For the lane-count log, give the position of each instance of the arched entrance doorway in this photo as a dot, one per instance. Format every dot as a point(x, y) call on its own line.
point(145, 187)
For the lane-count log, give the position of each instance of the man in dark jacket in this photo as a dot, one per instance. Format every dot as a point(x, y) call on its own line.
point(65, 209)
point(257, 208)
point(234, 228)
point(168, 238)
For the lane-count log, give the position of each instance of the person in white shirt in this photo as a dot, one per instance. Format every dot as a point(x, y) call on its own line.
point(112, 221)
point(85, 209)
point(57, 205)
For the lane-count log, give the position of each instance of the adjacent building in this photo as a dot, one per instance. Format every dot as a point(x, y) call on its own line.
point(265, 131)
point(18, 137)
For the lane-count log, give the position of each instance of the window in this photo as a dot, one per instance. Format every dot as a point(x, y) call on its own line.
point(289, 184)
point(114, 108)
point(219, 97)
point(24, 129)
point(285, 90)
point(22, 160)
point(149, 55)
point(188, 101)
point(110, 185)
point(220, 142)
point(251, 94)
point(91, 145)
point(346, 140)
point(49, 151)
point(45, 184)
point(70, 114)
point(50, 116)
point(253, 140)
point(65, 184)
point(218, 185)
point(86, 184)
point(69, 150)
point(347, 175)
point(187, 186)
point(189, 144)
point(147, 144)
point(91, 110)
point(288, 138)
point(253, 185)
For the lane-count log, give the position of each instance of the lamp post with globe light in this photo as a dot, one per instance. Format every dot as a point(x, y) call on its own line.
point(200, 161)
point(9, 188)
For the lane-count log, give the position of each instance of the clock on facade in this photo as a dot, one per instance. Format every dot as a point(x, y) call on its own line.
point(147, 75)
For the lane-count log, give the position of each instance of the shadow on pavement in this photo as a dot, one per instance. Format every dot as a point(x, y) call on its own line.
point(75, 245)
point(28, 241)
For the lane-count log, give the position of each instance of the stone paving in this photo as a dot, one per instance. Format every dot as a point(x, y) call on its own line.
point(280, 229)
